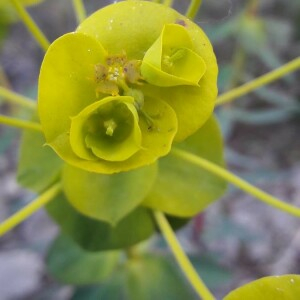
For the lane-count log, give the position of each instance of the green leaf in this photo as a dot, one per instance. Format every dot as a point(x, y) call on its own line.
point(70, 264)
point(285, 287)
point(182, 189)
point(95, 235)
point(142, 278)
point(39, 166)
point(107, 197)
point(112, 289)
point(151, 277)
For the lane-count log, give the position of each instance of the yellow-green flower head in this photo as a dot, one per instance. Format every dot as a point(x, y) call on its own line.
point(133, 78)
point(171, 61)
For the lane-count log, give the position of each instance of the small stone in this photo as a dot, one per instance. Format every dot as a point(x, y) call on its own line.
point(19, 273)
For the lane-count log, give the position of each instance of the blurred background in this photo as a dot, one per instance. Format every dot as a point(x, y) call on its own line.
point(237, 239)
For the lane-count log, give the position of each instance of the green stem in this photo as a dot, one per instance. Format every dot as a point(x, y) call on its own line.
point(193, 9)
point(79, 10)
point(31, 25)
point(17, 98)
point(259, 81)
point(168, 2)
point(181, 257)
point(20, 123)
point(242, 184)
point(29, 209)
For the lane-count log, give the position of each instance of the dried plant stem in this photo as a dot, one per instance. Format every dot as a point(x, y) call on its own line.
point(237, 181)
point(181, 257)
point(79, 10)
point(248, 87)
point(17, 98)
point(20, 123)
point(193, 9)
point(31, 25)
point(29, 209)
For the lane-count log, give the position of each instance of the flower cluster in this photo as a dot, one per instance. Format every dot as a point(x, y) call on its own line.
point(116, 93)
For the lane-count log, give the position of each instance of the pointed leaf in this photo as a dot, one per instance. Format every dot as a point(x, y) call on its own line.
point(107, 197)
point(151, 277)
point(142, 278)
point(70, 264)
point(95, 235)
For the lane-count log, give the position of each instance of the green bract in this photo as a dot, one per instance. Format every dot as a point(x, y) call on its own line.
point(284, 287)
point(171, 60)
point(107, 129)
point(134, 77)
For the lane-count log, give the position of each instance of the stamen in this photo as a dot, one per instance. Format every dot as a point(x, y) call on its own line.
point(177, 54)
point(110, 126)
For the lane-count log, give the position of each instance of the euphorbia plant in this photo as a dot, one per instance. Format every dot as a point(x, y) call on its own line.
point(125, 107)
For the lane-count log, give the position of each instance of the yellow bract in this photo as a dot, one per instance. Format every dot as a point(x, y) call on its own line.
point(107, 129)
point(134, 77)
point(171, 61)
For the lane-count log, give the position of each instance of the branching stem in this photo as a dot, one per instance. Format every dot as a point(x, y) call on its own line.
point(17, 98)
point(79, 10)
point(29, 209)
point(248, 87)
point(193, 9)
point(20, 123)
point(31, 25)
point(181, 257)
point(237, 181)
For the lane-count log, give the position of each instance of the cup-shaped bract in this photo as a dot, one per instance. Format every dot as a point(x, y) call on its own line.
point(101, 111)
point(171, 61)
point(107, 129)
